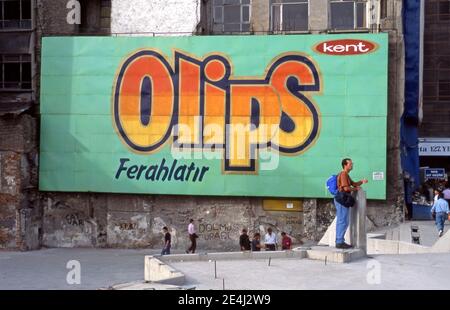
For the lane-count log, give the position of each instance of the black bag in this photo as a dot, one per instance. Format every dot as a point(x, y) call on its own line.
point(345, 199)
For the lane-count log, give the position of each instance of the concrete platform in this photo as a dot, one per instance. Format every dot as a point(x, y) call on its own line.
point(334, 255)
point(381, 272)
point(158, 269)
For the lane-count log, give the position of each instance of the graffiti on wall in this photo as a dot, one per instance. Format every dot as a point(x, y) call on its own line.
point(215, 231)
point(74, 219)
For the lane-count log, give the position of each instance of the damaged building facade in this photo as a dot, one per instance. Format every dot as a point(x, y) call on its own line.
point(30, 219)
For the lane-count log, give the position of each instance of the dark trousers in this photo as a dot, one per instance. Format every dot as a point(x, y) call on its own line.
point(193, 243)
point(166, 250)
point(270, 247)
point(409, 209)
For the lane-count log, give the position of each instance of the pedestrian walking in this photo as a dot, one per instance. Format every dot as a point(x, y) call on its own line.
point(167, 241)
point(440, 212)
point(192, 237)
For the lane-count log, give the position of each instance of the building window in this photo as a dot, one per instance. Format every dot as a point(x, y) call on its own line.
point(289, 15)
point(347, 15)
point(15, 71)
point(444, 85)
point(15, 14)
point(444, 10)
point(383, 9)
point(231, 16)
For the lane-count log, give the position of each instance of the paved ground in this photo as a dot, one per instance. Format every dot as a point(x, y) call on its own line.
point(425, 271)
point(46, 269)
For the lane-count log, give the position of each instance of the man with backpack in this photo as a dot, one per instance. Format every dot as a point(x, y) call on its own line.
point(345, 186)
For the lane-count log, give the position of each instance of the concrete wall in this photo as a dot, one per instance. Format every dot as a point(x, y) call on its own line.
point(9, 197)
point(317, 10)
point(136, 221)
point(156, 16)
point(260, 16)
point(52, 17)
point(21, 210)
point(19, 219)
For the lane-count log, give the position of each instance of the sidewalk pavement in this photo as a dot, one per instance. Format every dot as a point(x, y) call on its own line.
point(100, 268)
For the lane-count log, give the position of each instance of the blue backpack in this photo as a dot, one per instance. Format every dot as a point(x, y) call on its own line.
point(332, 184)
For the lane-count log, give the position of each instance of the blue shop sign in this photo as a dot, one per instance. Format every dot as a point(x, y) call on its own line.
point(435, 173)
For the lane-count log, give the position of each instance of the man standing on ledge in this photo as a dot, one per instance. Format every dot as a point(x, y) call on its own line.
point(345, 184)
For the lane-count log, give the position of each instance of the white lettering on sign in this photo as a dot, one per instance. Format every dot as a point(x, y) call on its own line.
point(343, 47)
point(438, 173)
point(434, 149)
point(339, 48)
point(378, 176)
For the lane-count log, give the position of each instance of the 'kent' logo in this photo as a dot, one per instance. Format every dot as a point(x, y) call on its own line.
point(345, 47)
point(198, 104)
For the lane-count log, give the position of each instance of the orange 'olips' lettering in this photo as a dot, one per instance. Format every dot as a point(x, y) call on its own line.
point(198, 104)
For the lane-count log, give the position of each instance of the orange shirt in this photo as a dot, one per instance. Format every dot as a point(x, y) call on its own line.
point(346, 184)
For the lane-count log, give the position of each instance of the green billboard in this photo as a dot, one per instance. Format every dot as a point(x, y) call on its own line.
point(213, 115)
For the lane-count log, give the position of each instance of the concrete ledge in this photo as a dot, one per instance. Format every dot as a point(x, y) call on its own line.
point(181, 257)
point(269, 254)
point(159, 272)
point(296, 253)
point(380, 246)
point(376, 235)
point(228, 255)
point(356, 254)
point(411, 248)
point(334, 255)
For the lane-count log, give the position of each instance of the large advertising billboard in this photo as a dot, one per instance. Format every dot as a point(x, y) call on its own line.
point(213, 115)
